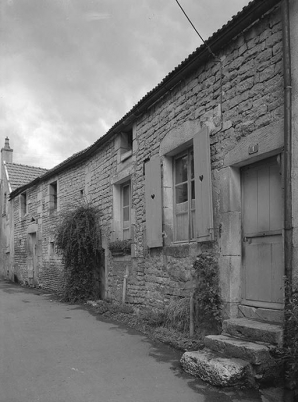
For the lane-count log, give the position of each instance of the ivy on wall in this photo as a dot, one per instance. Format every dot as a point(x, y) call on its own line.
point(78, 238)
point(207, 298)
point(290, 350)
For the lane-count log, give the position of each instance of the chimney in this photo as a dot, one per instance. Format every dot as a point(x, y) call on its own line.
point(6, 152)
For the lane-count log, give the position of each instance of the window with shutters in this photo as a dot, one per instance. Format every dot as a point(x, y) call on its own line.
point(184, 196)
point(187, 188)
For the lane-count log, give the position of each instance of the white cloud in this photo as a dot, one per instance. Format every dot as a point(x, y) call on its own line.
point(71, 69)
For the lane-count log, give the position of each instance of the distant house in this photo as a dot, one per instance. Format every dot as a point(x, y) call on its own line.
point(13, 176)
point(206, 161)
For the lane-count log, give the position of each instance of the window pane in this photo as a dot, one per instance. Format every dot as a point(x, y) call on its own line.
point(125, 195)
point(192, 224)
point(126, 234)
point(181, 193)
point(192, 174)
point(125, 214)
point(182, 227)
point(193, 194)
point(181, 169)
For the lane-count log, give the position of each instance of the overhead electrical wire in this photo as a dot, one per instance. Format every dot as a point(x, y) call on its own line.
point(217, 59)
point(200, 36)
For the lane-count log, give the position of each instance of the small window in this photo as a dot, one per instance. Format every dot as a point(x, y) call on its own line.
point(125, 210)
point(52, 248)
point(126, 141)
point(184, 196)
point(24, 204)
point(53, 196)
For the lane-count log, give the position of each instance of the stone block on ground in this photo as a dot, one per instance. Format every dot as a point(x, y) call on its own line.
point(219, 371)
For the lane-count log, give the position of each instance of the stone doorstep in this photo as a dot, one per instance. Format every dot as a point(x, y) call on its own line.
point(254, 330)
point(231, 347)
point(217, 370)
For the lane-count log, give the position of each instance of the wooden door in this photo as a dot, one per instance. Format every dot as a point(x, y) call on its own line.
point(262, 251)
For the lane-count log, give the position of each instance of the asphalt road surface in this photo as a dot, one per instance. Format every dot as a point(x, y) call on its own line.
point(55, 352)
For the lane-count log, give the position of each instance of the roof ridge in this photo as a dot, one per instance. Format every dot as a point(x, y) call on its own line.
point(30, 166)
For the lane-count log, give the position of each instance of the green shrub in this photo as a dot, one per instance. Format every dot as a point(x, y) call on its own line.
point(78, 238)
point(208, 304)
point(154, 318)
point(120, 247)
point(177, 314)
point(290, 351)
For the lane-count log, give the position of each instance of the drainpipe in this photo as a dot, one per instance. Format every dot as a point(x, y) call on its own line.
point(288, 230)
point(288, 246)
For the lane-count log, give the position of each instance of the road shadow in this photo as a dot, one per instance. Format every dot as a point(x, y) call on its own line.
point(167, 354)
point(12, 287)
point(157, 350)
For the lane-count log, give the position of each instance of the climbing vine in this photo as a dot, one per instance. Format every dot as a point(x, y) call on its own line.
point(207, 292)
point(78, 238)
point(290, 351)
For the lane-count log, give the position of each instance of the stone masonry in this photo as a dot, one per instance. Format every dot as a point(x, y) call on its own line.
point(234, 98)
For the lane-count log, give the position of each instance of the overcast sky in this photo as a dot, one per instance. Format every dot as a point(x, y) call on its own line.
point(70, 69)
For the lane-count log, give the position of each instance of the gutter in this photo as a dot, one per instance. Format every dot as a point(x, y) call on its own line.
point(288, 227)
point(253, 11)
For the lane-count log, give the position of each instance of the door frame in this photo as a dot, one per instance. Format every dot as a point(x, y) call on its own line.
point(256, 303)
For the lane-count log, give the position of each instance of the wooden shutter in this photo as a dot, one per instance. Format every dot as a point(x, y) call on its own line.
point(153, 202)
point(203, 186)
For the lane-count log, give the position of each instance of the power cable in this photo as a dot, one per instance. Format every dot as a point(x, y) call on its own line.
point(200, 36)
point(217, 59)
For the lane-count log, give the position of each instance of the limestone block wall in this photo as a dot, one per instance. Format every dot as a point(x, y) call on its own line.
point(236, 100)
point(252, 99)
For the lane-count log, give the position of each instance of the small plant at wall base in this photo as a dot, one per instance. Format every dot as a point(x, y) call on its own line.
point(120, 247)
point(290, 350)
point(78, 237)
point(208, 303)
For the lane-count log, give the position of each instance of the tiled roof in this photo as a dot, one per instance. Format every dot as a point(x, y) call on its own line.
point(19, 175)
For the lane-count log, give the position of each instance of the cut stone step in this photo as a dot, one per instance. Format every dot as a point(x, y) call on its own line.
point(219, 371)
point(234, 347)
point(253, 330)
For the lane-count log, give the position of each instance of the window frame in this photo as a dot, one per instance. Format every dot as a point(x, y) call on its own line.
point(53, 196)
point(126, 206)
point(191, 221)
point(126, 144)
point(117, 221)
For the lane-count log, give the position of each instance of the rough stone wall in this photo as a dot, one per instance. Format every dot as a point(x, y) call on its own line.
point(21, 225)
point(252, 97)
point(6, 230)
point(86, 182)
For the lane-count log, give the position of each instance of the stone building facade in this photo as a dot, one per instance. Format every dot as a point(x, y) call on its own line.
point(173, 176)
